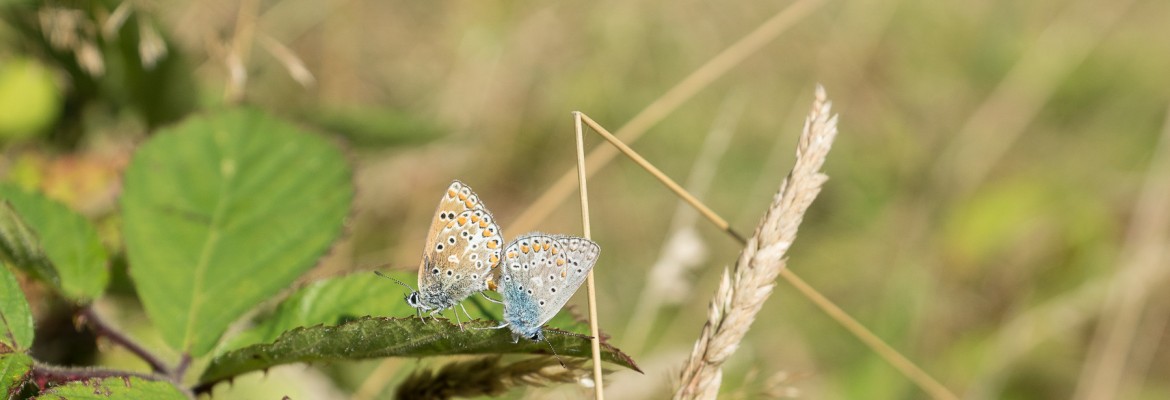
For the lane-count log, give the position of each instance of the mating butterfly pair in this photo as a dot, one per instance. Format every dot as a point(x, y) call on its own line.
point(538, 272)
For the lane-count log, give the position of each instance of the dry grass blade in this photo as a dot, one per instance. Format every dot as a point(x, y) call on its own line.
point(683, 250)
point(590, 284)
point(1000, 121)
point(1144, 252)
point(292, 63)
point(742, 292)
point(488, 377)
point(241, 49)
point(662, 106)
point(905, 366)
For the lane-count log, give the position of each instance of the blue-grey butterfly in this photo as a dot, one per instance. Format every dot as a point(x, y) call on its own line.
point(462, 247)
point(538, 274)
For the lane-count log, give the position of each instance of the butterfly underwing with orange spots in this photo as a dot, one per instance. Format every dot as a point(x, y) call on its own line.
point(538, 275)
point(462, 247)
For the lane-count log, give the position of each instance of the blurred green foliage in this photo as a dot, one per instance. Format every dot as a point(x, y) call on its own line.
point(982, 190)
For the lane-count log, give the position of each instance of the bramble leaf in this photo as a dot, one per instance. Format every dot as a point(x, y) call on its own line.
point(16, 322)
point(337, 300)
point(14, 369)
point(222, 212)
point(73, 259)
point(375, 337)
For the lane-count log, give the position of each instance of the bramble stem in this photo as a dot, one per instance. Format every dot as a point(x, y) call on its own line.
point(102, 328)
point(45, 374)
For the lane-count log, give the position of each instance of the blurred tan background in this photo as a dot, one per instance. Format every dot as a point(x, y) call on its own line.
point(997, 208)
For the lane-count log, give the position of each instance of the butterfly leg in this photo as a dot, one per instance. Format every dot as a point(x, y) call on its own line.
point(457, 321)
point(494, 327)
point(469, 318)
point(490, 299)
point(432, 315)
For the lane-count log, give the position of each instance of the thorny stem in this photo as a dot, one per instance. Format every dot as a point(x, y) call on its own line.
point(181, 369)
point(102, 328)
point(43, 375)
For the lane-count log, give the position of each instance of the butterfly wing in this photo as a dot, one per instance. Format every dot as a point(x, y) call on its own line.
point(580, 256)
point(463, 245)
point(540, 273)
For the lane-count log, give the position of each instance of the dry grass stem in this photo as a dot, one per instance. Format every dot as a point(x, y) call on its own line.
point(666, 180)
point(743, 290)
point(996, 125)
point(905, 366)
point(151, 46)
point(292, 63)
point(377, 380)
point(1144, 252)
point(595, 342)
point(488, 377)
point(667, 103)
point(241, 50)
point(115, 20)
point(684, 250)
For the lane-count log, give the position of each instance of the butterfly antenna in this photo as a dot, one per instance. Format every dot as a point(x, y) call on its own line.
point(379, 273)
point(554, 351)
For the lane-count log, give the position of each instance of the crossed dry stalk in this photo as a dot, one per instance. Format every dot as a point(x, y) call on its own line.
point(743, 290)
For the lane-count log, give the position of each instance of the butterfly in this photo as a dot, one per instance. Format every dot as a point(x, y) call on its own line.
point(538, 275)
point(463, 246)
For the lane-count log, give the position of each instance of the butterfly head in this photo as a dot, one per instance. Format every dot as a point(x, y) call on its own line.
point(413, 300)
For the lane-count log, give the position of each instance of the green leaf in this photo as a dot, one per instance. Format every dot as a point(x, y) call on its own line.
point(114, 388)
point(337, 300)
point(374, 337)
point(221, 213)
point(69, 240)
point(331, 301)
point(20, 246)
point(14, 368)
point(16, 322)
